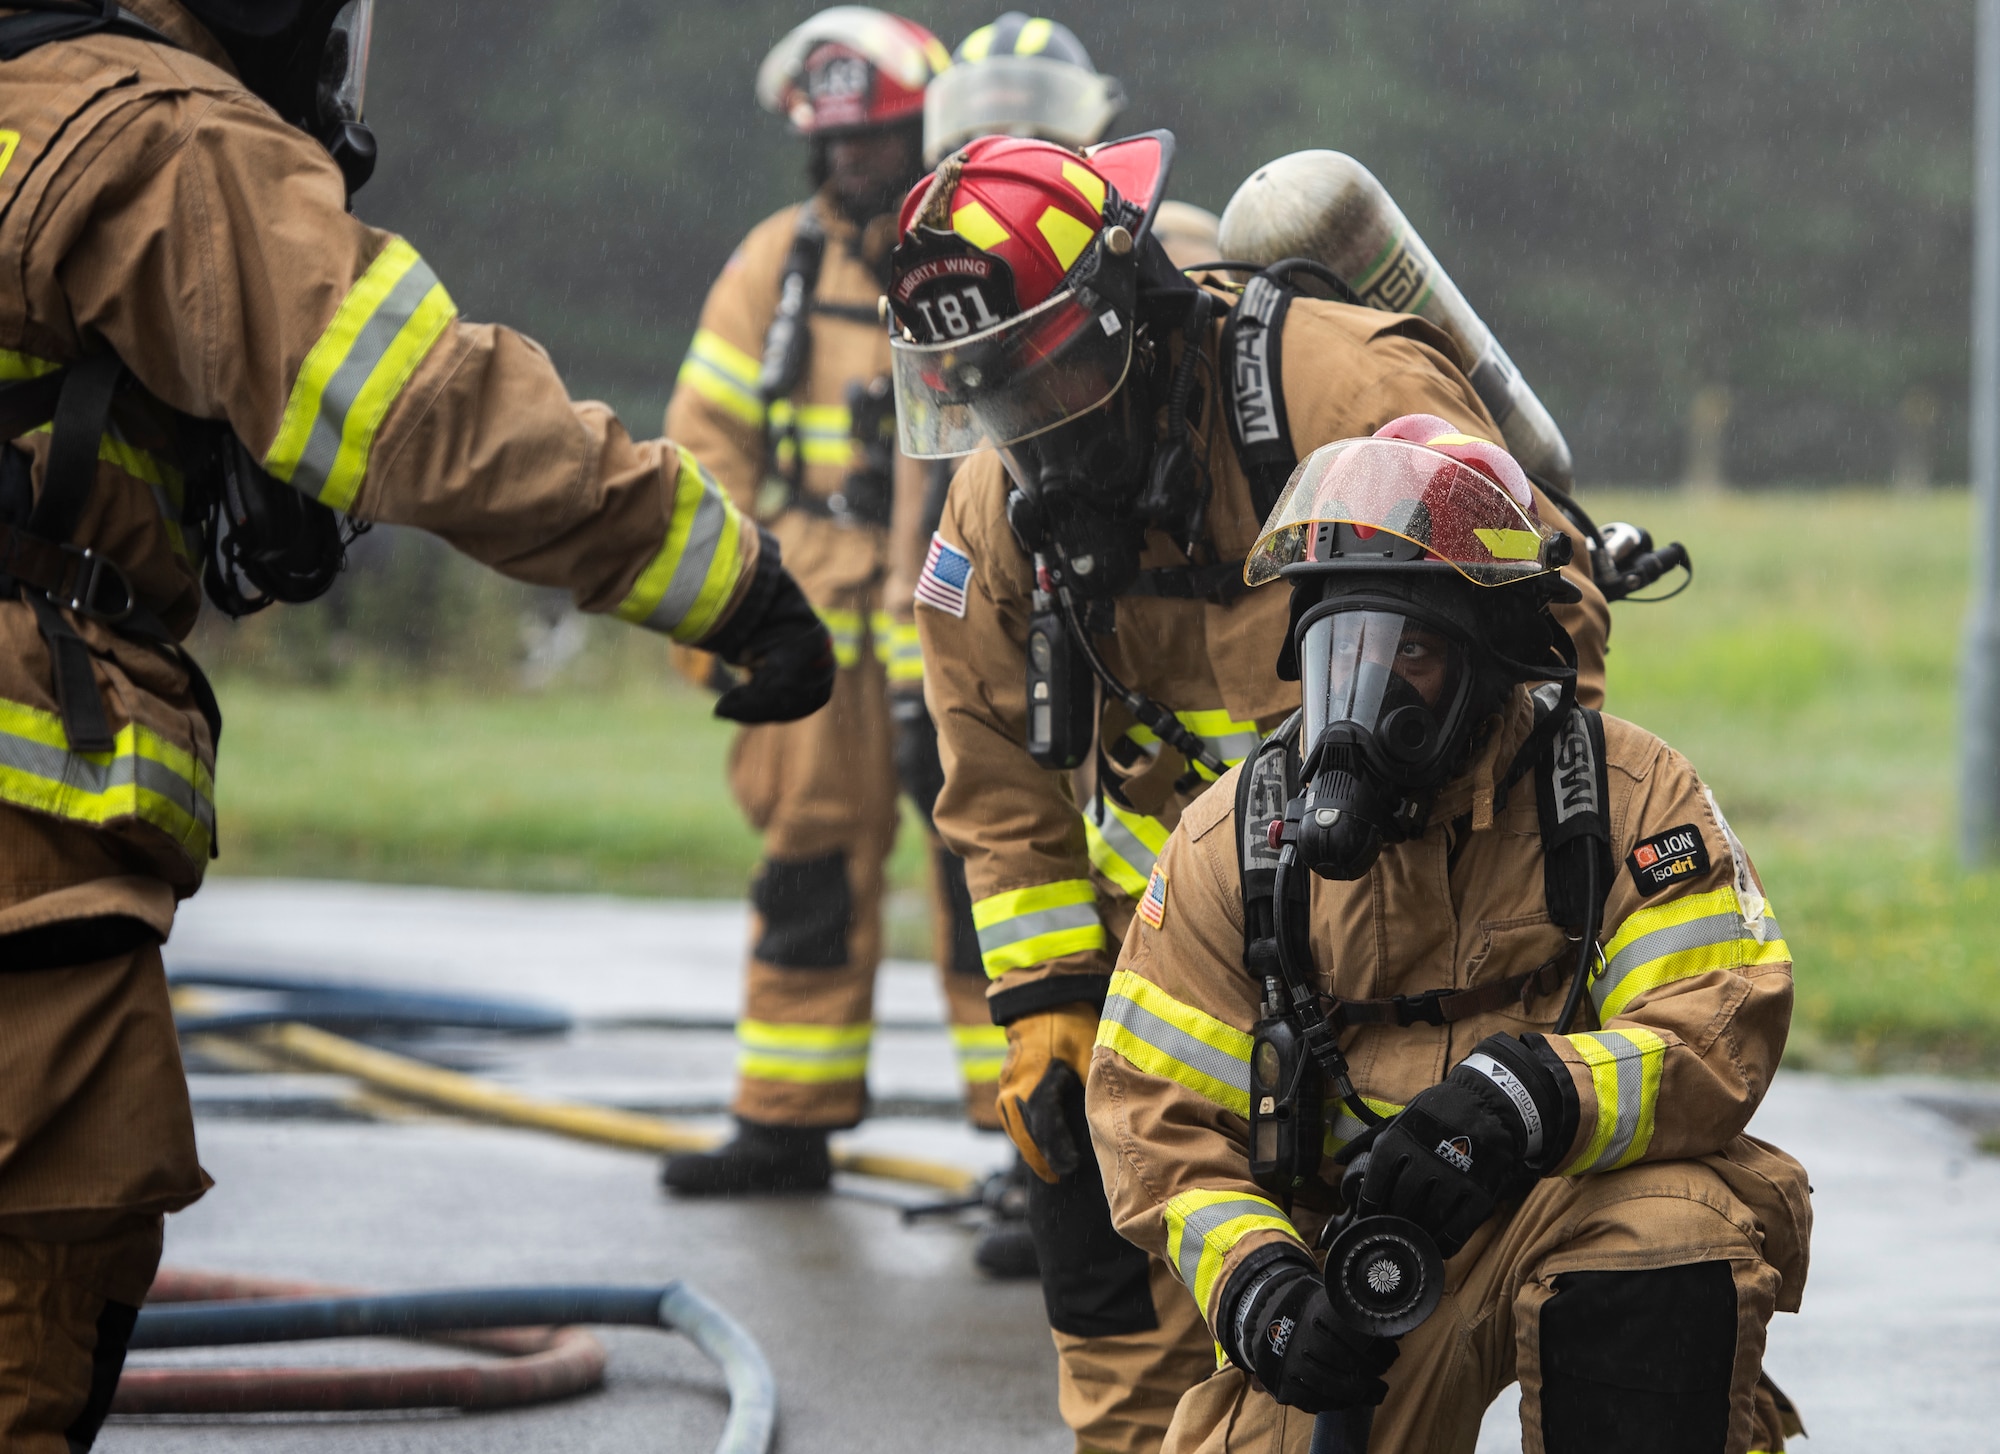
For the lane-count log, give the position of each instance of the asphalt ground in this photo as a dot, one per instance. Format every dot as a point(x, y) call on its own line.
point(882, 1336)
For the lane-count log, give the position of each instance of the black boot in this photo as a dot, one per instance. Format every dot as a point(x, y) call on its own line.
point(1006, 1249)
point(758, 1161)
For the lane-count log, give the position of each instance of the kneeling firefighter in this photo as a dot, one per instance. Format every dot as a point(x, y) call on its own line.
point(205, 361)
point(785, 395)
point(1092, 658)
point(1373, 940)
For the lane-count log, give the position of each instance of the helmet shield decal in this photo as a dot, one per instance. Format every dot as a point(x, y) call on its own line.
point(1009, 382)
point(1408, 491)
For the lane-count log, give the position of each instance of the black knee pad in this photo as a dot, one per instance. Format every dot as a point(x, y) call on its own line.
point(808, 909)
point(1639, 1362)
point(965, 957)
point(1094, 1283)
point(107, 1362)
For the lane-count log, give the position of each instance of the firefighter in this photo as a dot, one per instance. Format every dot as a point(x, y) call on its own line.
point(1461, 862)
point(204, 357)
point(1091, 657)
point(784, 395)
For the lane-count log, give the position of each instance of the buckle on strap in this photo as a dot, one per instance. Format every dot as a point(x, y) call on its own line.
point(1424, 1009)
point(97, 587)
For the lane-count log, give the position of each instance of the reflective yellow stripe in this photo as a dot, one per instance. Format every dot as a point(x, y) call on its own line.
point(899, 649)
point(825, 432)
point(1123, 843)
point(17, 366)
point(844, 627)
point(1679, 939)
point(1344, 1125)
point(724, 375)
point(982, 1050)
point(687, 586)
point(144, 776)
point(1203, 1228)
point(1625, 1075)
point(380, 332)
point(1227, 738)
point(802, 1054)
point(1162, 1036)
point(1026, 926)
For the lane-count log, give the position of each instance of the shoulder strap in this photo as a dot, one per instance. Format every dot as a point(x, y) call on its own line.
point(1253, 364)
point(788, 341)
point(1266, 782)
point(42, 22)
point(1572, 801)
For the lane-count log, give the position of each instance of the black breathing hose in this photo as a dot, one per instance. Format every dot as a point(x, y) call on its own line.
point(1149, 713)
point(1320, 1040)
point(1593, 917)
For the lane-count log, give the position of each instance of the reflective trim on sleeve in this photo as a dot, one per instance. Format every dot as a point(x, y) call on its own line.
point(380, 332)
point(723, 374)
point(1203, 1228)
point(1123, 843)
point(1679, 939)
point(1161, 1036)
point(1625, 1070)
point(144, 776)
point(844, 626)
point(825, 432)
point(898, 648)
point(1026, 926)
point(982, 1050)
point(686, 587)
point(802, 1054)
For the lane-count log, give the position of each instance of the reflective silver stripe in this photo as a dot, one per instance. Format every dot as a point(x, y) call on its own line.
point(697, 559)
point(1170, 1040)
point(1671, 939)
point(377, 336)
point(1233, 747)
point(1202, 1222)
point(995, 937)
point(122, 770)
point(1121, 839)
point(1628, 1063)
point(1510, 1086)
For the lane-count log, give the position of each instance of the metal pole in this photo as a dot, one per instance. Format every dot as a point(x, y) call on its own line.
point(1979, 827)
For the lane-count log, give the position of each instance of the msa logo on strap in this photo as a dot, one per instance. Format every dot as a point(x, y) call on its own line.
point(1256, 406)
point(1457, 1151)
point(1668, 858)
point(1575, 771)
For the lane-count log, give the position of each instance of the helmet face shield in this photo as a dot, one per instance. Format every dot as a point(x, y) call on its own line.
point(343, 76)
point(1416, 494)
point(1013, 95)
point(1385, 681)
point(850, 68)
point(996, 383)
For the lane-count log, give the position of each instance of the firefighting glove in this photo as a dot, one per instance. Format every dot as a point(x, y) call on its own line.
point(919, 770)
point(776, 636)
point(1277, 1323)
point(1041, 1083)
point(1478, 1138)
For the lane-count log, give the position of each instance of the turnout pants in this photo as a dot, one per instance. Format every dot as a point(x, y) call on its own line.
point(1623, 1302)
point(823, 792)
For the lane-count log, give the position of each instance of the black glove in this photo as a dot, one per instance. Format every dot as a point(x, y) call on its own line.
point(776, 636)
point(1276, 1322)
point(1479, 1137)
point(918, 768)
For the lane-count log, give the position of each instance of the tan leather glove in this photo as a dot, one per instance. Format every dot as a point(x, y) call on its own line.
point(1048, 1056)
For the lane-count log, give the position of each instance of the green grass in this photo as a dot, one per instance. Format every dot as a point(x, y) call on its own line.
point(1809, 673)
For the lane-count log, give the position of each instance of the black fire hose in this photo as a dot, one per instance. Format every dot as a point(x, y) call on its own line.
point(753, 1399)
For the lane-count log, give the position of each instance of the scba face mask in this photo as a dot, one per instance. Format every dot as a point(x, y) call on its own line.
point(1390, 702)
point(1077, 489)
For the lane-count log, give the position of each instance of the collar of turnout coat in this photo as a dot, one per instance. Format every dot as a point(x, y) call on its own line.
point(1473, 790)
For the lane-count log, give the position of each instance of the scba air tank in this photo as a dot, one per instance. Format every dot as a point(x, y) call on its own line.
point(1326, 206)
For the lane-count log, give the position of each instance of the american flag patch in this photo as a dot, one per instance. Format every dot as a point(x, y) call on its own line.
point(1153, 903)
point(947, 569)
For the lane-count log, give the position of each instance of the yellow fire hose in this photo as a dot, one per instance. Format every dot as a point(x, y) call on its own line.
point(413, 1080)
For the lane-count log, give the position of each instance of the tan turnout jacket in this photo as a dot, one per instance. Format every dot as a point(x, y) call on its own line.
point(151, 205)
point(1052, 866)
point(1693, 1004)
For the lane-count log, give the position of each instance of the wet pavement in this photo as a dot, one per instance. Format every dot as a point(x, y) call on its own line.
point(882, 1336)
